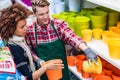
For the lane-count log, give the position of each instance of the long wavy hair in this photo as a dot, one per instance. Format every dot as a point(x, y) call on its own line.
point(9, 18)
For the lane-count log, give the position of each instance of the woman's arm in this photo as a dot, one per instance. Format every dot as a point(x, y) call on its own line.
point(23, 67)
point(21, 61)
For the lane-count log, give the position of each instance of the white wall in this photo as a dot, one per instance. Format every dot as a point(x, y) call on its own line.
point(87, 4)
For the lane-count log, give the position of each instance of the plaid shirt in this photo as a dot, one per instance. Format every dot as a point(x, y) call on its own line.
point(46, 34)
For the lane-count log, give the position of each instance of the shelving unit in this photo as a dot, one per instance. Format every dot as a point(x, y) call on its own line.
point(112, 4)
point(97, 45)
point(74, 71)
point(101, 49)
point(77, 74)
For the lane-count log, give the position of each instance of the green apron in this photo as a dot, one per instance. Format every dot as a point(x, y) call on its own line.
point(53, 50)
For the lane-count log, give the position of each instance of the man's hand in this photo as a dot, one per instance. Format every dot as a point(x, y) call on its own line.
point(90, 55)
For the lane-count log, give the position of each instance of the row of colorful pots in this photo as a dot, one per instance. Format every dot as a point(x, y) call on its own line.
point(108, 72)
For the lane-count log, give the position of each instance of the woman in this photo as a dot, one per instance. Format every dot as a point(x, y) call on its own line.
point(13, 29)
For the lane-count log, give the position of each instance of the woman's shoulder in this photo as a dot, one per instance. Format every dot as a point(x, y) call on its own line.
point(15, 47)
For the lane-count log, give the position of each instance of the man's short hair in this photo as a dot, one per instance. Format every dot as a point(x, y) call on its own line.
point(39, 3)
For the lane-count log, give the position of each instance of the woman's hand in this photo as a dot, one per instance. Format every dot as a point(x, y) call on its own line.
point(54, 64)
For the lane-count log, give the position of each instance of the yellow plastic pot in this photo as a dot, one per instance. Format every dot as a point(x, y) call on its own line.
point(114, 48)
point(105, 35)
point(113, 28)
point(93, 68)
point(118, 25)
point(97, 34)
point(113, 35)
point(86, 35)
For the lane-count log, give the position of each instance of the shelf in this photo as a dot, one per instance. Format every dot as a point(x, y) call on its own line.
point(101, 49)
point(77, 74)
point(112, 4)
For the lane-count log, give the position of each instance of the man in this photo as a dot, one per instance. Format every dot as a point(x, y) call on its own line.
point(47, 36)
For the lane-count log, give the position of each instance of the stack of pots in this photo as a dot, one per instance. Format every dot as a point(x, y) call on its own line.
point(98, 19)
point(80, 23)
point(70, 23)
point(112, 18)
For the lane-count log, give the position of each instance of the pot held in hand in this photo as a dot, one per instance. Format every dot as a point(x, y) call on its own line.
point(93, 68)
point(54, 74)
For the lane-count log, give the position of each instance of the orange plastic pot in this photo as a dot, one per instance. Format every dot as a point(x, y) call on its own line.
point(103, 63)
point(79, 65)
point(54, 74)
point(102, 77)
point(71, 60)
point(107, 72)
point(109, 66)
point(114, 77)
point(102, 60)
point(80, 57)
point(116, 71)
point(79, 62)
point(85, 75)
point(79, 68)
point(95, 74)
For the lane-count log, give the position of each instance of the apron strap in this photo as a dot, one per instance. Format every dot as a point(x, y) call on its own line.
point(55, 30)
point(36, 33)
point(52, 27)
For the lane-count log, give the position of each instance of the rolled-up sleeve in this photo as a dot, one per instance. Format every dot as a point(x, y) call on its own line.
point(69, 36)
